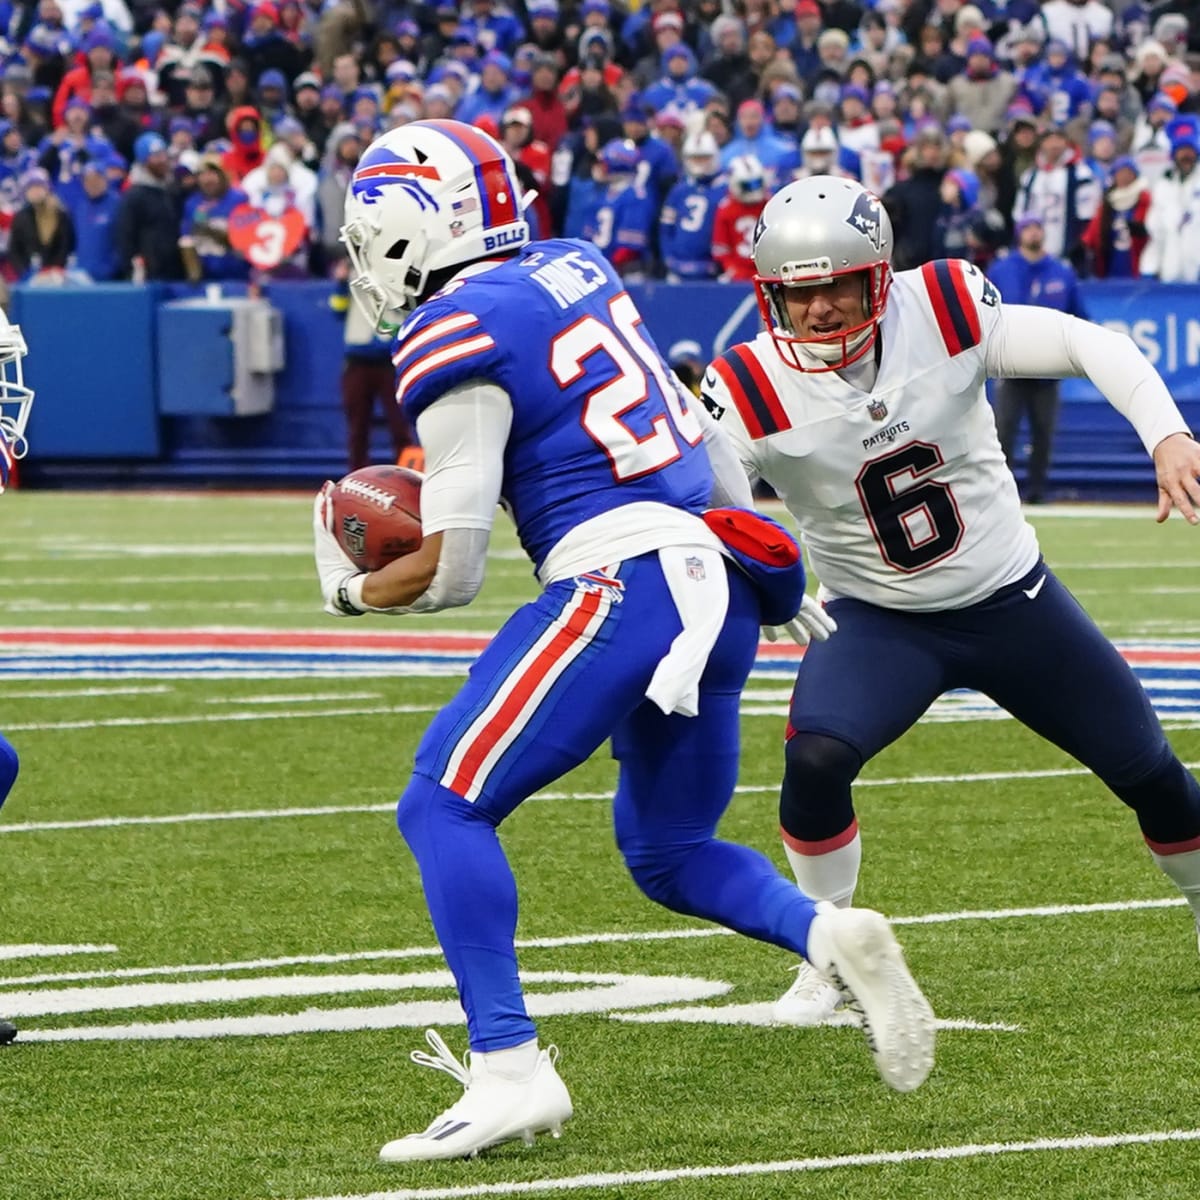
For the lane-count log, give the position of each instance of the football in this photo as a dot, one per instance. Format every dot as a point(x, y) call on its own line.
point(377, 514)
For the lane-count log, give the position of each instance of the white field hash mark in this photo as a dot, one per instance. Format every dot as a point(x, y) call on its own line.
point(332, 810)
point(573, 939)
point(790, 1166)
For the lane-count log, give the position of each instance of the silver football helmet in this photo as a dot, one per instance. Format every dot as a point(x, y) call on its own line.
point(15, 398)
point(811, 232)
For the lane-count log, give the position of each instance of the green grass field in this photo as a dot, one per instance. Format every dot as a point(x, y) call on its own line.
point(215, 946)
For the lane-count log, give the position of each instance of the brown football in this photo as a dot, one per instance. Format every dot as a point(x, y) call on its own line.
point(377, 514)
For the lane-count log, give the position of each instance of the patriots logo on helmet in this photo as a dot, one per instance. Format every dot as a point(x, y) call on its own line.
point(381, 167)
point(865, 218)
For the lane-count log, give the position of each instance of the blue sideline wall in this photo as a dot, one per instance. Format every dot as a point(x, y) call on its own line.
point(98, 417)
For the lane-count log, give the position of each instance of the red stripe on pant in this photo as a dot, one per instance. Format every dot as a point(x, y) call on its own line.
point(522, 689)
point(1169, 848)
point(825, 846)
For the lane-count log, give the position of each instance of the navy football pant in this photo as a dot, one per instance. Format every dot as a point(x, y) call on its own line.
point(8, 768)
point(566, 672)
point(1031, 648)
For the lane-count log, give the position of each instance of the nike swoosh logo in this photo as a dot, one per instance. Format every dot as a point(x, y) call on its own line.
point(1033, 591)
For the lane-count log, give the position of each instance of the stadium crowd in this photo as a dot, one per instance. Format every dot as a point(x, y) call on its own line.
point(141, 140)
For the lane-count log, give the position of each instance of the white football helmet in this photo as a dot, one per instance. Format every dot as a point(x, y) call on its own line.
point(701, 155)
point(424, 197)
point(819, 148)
point(747, 179)
point(15, 398)
point(811, 232)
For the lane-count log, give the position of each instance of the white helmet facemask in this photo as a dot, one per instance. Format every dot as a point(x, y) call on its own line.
point(16, 399)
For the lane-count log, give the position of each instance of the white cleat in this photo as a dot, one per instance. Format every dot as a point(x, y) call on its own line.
point(492, 1108)
point(811, 1000)
point(855, 948)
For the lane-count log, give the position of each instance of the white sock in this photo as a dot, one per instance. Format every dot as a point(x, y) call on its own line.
point(1184, 871)
point(832, 875)
point(515, 1062)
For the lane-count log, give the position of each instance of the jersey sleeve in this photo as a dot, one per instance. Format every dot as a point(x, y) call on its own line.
point(442, 348)
point(965, 304)
point(722, 406)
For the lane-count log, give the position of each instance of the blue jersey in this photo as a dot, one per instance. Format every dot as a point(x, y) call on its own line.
point(597, 421)
point(685, 230)
point(621, 223)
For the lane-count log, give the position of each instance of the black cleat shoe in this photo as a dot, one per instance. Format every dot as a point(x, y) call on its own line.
point(8, 1032)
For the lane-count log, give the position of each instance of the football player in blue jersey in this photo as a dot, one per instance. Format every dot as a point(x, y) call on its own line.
point(530, 379)
point(685, 229)
point(621, 224)
point(15, 402)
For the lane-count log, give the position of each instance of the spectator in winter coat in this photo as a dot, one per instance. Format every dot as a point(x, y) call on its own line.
point(246, 151)
point(1116, 235)
point(342, 152)
point(550, 122)
point(912, 201)
point(282, 183)
point(532, 159)
point(265, 47)
point(204, 232)
point(959, 193)
point(1062, 191)
point(147, 226)
point(42, 236)
point(1172, 254)
point(984, 91)
point(94, 215)
point(495, 92)
point(99, 54)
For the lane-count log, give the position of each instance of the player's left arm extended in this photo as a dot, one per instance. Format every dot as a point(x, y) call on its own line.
point(463, 436)
point(1040, 343)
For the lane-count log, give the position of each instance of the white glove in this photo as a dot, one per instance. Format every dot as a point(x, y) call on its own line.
point(335, 568)
point(811, 623)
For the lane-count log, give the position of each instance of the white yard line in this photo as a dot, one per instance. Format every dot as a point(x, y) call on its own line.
point(32, 581)
point(581, 939)
point(294, 698)
point(788, 1166)
point(156, 689)
point(333, 810)
point(43, 950)
point(212, 718)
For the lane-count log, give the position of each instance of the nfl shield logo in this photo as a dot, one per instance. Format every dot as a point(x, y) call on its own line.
point(354, 536)
point(695, 568)
point(878, 410)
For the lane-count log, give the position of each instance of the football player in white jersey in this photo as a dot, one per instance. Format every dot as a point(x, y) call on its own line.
point(862, 404)
point(15, 402)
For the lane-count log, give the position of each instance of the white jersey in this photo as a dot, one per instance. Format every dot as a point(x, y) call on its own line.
point(901, 494)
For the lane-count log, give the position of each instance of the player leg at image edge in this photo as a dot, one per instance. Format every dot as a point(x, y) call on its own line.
point(9, 765)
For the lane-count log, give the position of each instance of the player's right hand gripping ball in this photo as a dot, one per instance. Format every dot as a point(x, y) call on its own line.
point(377, 514)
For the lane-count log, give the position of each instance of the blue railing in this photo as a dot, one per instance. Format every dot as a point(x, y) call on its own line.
point(93, 357)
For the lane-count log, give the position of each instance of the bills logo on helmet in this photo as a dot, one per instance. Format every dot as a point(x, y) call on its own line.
point(380, 167)
point(865, 217)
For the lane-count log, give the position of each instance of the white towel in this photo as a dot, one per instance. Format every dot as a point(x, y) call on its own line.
point(699, 586)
